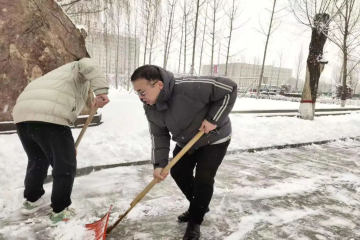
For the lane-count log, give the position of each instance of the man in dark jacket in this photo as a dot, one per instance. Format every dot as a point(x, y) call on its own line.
point(182, 107)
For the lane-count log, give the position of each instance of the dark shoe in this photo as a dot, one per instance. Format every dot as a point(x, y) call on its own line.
point(192, 232)
point(185, 217)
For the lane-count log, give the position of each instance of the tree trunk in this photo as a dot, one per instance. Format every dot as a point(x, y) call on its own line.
point(185, 33)
point(168, 36)
point(154, 25)
point(280, 64)
point(147, 27)
point(171, 35)
point(203, 40)
point(128, 50)
point(181, 42)
point(166, 42)
point(218, 62)
point(344, 75)
point(299, 67)
point(36, 37)
point(213, 41)
point(265, 51)
point(314, 67)
point(194, 41)
point(228, 49)
point(135, 39)
point(117, 57)
point(106, 47)
point(345, 60)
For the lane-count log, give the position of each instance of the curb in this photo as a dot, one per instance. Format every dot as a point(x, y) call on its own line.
point(87, 170)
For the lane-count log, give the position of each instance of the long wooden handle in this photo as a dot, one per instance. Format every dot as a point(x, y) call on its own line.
point(154, 181)
point(87, 123)
point(169, 166)
point(183, 151)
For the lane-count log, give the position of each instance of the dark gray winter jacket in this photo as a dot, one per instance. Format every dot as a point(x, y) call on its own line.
point(182, 106)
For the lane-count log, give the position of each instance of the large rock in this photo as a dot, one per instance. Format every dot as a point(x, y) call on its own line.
point(36, 36)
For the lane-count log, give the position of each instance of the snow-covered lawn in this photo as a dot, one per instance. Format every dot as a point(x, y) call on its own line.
point(267, 104)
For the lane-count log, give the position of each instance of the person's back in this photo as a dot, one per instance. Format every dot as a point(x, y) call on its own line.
point(42, 115)
point(59, 96)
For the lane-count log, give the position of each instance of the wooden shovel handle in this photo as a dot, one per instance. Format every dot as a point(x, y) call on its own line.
point(87, 123)
point(154, 181)
point(169, 166)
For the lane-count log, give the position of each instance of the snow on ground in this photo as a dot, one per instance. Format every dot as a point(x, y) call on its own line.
point(304, 193)
point(124, 137)
point(267, 104)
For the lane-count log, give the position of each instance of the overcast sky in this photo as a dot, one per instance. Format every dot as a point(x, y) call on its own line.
point(289, 38)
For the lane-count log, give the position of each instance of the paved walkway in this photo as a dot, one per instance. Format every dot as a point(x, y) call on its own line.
point(304, 193)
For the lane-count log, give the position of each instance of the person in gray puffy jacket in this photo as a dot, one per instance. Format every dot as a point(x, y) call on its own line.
point(181, 107)
point(43, 113)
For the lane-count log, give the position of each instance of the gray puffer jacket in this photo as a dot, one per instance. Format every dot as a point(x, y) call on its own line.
point(182, 106)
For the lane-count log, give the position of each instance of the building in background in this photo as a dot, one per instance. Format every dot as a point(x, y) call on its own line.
point(247, 75)
point(117, 55)
point(108, 40)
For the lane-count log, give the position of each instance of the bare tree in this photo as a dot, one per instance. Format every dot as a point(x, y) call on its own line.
point(192, 67)
point(314, 14)
point(75, 8)
point(154, 27)
point(187, 10)
point(118, 11)
point(147, 23)
point(186, 17)
point(136, 59)
point(181, 40)
point(198, 5)
point(346, 37)
point(232, 14)
point(172, 39)
point(169, 28)
point(299, 66)
point(272, 73)
point(106, 39)
point(355, 79)
point(255, 66)
point(203, 37)
point(215, 8)
point(337, 73)
point(127, 7)
point(270, 31)
point(65, 4)
point(281, 58)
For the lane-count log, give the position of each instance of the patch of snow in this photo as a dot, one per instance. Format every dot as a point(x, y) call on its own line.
point(337, 221)
point(80, 26)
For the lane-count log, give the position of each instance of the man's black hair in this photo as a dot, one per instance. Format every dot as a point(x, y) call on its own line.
point(148, 72)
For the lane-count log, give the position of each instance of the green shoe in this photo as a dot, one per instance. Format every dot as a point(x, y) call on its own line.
point(29, 208)
point(63, 216)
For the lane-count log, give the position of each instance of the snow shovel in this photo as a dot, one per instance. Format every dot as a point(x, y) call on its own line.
point(100, 226)
point(154, 181)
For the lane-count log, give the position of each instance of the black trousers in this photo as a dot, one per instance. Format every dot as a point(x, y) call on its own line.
point(48, 144)
point(198, 189)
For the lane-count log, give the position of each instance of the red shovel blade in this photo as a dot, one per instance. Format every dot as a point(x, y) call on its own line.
point(99, 227)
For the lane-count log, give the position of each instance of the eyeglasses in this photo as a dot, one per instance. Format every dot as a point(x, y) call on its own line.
point(144, 92)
